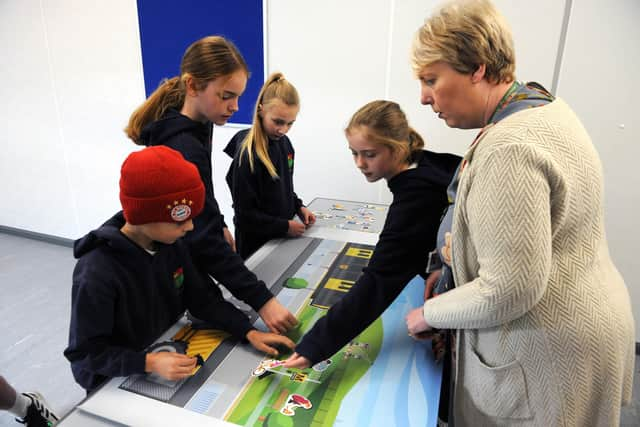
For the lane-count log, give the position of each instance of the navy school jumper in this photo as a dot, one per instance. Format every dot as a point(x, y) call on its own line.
point(401, 253)
point(262, 205)
point(211, 254)
point(123, 298)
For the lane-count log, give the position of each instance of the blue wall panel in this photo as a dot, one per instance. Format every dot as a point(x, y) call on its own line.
point(168, 27)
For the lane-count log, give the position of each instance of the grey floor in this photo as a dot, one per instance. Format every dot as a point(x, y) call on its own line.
point(36, 296)
point(36, 299)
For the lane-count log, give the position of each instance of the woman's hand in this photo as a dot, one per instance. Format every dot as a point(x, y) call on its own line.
point(228, 237)
point(306, 216)
point(276, 316)
point(267, 342)
point(420, 330)
point(296, 229)
point(170, 365)
point(297, 361)
point(416, 325)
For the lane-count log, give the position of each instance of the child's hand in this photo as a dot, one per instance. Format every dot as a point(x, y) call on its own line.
point(307, 217)
point(297, 361)
point(169, 365)
point(267, 341)
point(276, 316)
point(296, 228)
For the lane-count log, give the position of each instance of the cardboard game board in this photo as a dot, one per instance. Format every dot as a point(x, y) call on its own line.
point(382, 377)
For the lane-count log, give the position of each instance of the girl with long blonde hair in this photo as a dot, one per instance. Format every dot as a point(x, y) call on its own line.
point(261, 175)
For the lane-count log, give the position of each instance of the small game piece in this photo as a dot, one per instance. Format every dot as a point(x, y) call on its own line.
point(200, 360)
point(321, 366)
point(295, 283)
point(265, 365)
point(170, 346)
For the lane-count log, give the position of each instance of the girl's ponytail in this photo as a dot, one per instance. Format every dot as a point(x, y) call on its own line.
point(169, 94)
point(416, 143)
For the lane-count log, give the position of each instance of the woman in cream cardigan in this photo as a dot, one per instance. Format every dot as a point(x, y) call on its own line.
point(544, 330)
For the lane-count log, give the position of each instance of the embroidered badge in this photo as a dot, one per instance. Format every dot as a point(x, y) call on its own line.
point(290, 160)
point(180, 211)
point(178, 278)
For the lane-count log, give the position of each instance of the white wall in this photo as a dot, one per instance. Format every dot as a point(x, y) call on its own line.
point(598, 78)
point(337, 59)
point(72, 74)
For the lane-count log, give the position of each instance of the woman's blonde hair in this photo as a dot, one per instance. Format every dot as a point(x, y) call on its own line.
point(275, 88)
point(384, 122)
point(205, 60)
point(466, 34)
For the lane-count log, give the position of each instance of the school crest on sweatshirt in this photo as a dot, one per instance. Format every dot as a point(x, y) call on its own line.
point(178, 278)
point(290, 160)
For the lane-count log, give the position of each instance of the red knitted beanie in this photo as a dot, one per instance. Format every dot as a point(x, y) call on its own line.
point(158, 185)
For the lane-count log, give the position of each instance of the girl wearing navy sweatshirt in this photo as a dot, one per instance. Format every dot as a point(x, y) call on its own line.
point(135, 278)
point(180, 114)
point(261, 174)
point(384, 146)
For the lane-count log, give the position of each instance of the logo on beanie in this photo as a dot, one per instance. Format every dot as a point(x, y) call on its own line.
point(180, 211)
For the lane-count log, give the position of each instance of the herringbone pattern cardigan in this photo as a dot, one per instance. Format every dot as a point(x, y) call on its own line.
point(546, 334)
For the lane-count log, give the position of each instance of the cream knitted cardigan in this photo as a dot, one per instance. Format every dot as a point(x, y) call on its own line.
point(546, 334)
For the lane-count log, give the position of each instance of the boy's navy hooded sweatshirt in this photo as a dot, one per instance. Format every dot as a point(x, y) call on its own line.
point(123, 298)
point(263, 205)
point(408, 235)
point(212, 255)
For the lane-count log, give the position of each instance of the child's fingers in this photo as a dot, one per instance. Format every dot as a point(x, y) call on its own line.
point(277, 327)
point(177, 366)
point(266, 348)
point(182, 372)
point(185, 363)
point(281, 339)
point(288, 322)
point(296, 361)
point(280, 328)
point(285, 324)
point(291, 321)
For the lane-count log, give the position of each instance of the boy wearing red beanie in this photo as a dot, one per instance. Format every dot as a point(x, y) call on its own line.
point(135, 278)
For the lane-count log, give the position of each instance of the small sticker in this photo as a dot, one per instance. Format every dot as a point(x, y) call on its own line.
point(295, 401)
